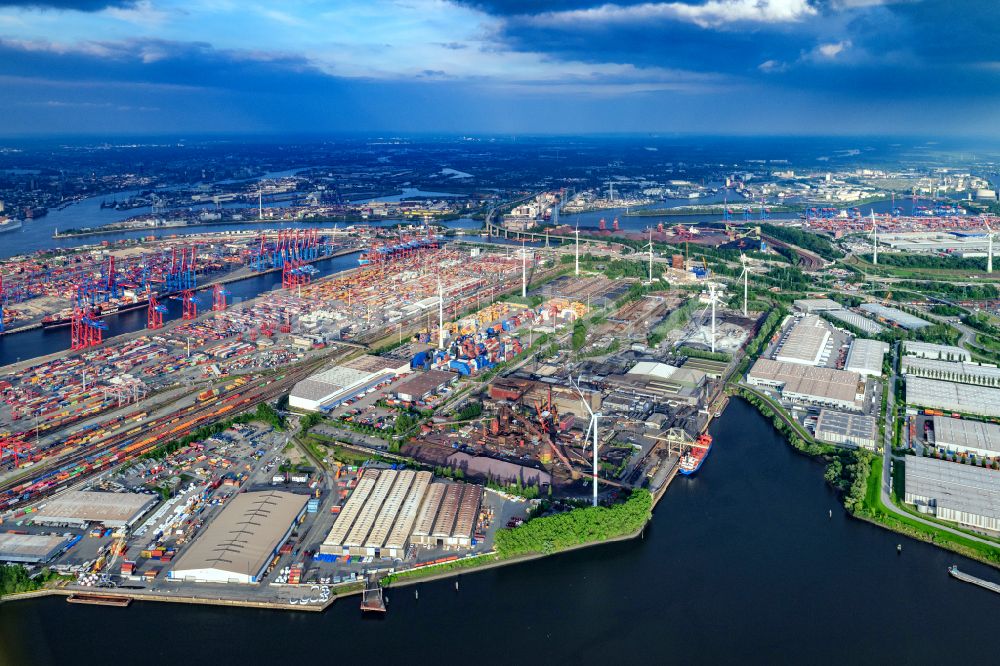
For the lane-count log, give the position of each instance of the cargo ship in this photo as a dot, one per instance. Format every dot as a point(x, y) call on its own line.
point(125, 304)
point(692, 461)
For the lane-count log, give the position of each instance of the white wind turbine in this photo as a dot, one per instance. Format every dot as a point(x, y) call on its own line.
point(874, 236)
point(746, 279)
point(577, 248)
point(650, 246)
point(713, 296)
point(594, 418)
point(989, 248)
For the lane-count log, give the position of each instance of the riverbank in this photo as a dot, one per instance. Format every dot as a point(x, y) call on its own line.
point(860, 496)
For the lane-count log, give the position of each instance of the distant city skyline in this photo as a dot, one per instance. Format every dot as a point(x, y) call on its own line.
point(825, 67)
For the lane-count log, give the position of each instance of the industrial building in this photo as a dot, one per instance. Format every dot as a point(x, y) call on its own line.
point(421, 385)
point(805, 343)
point(814, 305)
point(329, 388)
point(853, 319)
point(387, 509)
point(964, 436)
point(239, 544)
point(963, 494)
point(657, 382)
point(856, 430)
point(935, 351)
point(952, 397)
point(77, 508)
point(895, 316)
point(825, 387)
point(32, 548)
point(953, 371)
point(865, 357)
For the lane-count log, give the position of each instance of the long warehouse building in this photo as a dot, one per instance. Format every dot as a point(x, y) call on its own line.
point(963, 494)
point(935, 351)
point(240, 542)
point(825, 387)
point(390, 509)
point(953, 371)
point(806, 342)
point(964, 436)
point(77, 508)
point(952, 397)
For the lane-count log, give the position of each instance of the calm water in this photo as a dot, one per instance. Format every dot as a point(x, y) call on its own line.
point(740, 565)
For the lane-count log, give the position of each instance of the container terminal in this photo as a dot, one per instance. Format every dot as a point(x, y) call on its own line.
point(425, 410)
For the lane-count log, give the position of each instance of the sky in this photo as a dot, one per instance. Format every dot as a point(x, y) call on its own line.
point(744, 67)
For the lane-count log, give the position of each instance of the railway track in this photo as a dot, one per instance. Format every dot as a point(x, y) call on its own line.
point(59, 473)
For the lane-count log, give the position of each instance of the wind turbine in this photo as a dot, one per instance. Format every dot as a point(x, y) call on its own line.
point(650, 246)
point(989, 247)
point(746, 278)
point(594, 418)
point(712, 297)
point(440, 314)
point(524, 270)
point(874, 236)
point(577, 248)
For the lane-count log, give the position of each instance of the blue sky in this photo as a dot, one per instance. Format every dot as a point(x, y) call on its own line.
point(927, 67)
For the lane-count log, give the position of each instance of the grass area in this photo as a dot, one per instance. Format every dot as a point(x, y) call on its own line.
point(914, 272)
point(434, 570)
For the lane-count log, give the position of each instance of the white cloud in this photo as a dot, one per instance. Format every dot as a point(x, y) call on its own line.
point(833, 49)
point(772, 66)
point(713, 13)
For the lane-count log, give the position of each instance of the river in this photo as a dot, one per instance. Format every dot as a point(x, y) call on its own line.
point(739, 565)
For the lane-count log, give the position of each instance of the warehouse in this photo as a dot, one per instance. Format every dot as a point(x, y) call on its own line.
point(238, 545)
point(421, 385)
point(855, 430)
point(388, 508)
point(934, 351)
point(824, 387)
point(806, 342)
point(31, 548)
point(77, 508)
point(865, 357)
point(963, 494)
point(895, 316)
point(330, 388)
point(952, 371)
point(814, 305)
point(951, 397)
point(854, 320)
point(963, 436)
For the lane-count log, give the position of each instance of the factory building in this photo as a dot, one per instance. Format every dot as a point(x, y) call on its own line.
point(951, 397)
point(421, 385)
point(32, 548)
point(388, 509)
point(824, 387)
point(815, 305)
point(963, 494)
point(238, 545)
point(805, 343)
point(844, 429)
point(952, 371)
point(865, 357)
point(77, 508)
point(329, 388)
point(936, 352)
point(964, 436)
point(895, 316)
point(853, 319)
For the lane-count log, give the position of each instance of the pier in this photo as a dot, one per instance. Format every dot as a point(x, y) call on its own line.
point(968, 578)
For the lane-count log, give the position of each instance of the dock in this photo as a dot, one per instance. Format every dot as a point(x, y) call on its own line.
point(968, 578)
point(372, 599)
point(100, 600)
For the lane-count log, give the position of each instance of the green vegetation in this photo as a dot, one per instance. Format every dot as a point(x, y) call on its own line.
point(454, 565)
point(674, 320)
point(804, 239)
point(943, 310)
point(14, 578)
point(517, 488)
point(264, 413)
point(470, 411)
point(913, 260)
point(579, 334)
point(952, 292)
point(701, 353)
point(551, 534)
